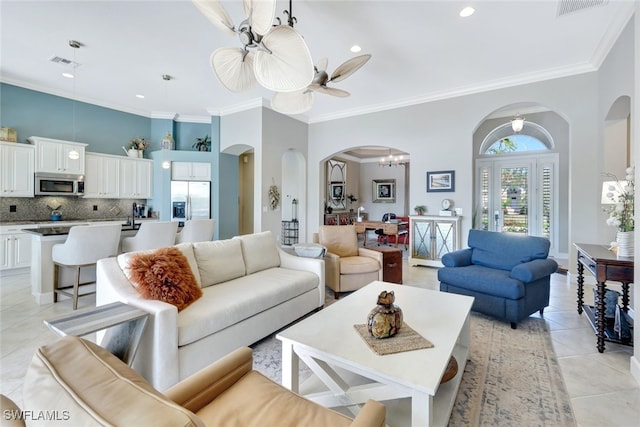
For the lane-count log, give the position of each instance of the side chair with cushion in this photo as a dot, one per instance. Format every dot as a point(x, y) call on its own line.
point(507, 274)
point(347, 266)
point(86, 385)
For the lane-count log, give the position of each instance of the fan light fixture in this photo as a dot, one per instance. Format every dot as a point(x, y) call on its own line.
point(517, 123)
point(275, 56)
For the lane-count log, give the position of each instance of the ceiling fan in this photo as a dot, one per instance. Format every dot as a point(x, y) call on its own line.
point(297, 102)
point(275, 56)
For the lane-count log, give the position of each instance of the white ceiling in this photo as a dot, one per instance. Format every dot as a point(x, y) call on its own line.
point(422, 50)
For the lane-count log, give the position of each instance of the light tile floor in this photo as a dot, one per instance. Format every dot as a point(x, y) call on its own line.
point(602, 391)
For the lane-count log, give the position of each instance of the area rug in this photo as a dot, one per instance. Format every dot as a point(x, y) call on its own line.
point(512, 377)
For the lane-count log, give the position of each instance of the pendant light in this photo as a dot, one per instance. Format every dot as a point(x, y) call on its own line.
point(517, 123)
point(75, 45)
point(168, 142)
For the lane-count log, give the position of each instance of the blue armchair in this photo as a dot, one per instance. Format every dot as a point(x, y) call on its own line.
point(507, 274)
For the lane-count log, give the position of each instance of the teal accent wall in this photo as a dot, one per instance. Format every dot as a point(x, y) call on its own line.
point(186, 134)
point(105, 130)
point(33, 113)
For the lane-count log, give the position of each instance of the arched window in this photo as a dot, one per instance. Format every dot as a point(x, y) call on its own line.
point(502, 140)
point(516, 182)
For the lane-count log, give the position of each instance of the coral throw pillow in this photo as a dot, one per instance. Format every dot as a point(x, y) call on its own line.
point(165, 275)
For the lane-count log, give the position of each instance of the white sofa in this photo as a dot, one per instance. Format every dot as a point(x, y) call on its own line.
point(251, 288)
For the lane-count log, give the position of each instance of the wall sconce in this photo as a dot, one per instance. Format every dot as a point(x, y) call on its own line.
point(166, 164)
point(517, 123)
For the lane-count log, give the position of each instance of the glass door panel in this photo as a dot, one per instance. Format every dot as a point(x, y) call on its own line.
point(421, 239)
point(514, 199)
point(445, 238)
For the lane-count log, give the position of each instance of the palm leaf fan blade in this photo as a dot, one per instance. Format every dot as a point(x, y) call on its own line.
point(261, 14)
point(216, 14)
point(288, 66)
point(234, 68)
point(349, 67)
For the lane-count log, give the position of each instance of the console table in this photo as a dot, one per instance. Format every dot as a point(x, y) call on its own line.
point(603, 265)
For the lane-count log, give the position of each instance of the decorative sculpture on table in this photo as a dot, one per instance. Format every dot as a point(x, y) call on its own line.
point(385, 319)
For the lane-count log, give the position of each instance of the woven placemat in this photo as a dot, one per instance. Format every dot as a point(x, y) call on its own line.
point(405, 340)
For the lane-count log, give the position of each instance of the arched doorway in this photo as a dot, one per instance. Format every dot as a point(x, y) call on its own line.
point(520, 176)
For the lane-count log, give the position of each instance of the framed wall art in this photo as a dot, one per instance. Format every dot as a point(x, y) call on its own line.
point(337, 191)
point(441, 181)
point(384, 191)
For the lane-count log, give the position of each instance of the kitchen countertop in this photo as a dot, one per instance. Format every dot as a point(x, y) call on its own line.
point(69, 221)
point(62, 230)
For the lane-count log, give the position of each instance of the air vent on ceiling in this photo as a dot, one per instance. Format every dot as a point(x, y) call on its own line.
point(63, 61)
point(566, 7)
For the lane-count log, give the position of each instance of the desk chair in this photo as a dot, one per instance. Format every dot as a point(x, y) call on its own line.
point(151, 235)
point(380, 232)
point(84, 246)
point(196, 230)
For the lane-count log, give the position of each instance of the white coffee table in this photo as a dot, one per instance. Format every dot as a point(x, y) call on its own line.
point(328, 343)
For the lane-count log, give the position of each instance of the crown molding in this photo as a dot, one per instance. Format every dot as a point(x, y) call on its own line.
point(163, 115)
point(488, 86)
point(237, 108)
point(611, 36)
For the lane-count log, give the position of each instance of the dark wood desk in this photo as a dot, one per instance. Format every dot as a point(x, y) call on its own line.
point(389, 228)
point(604, 265)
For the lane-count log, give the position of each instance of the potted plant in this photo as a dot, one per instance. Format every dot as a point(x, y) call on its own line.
point(202, 144)
point(420, 209)
point(136, 146)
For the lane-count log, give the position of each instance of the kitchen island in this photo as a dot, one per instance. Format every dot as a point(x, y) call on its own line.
point(42, 241)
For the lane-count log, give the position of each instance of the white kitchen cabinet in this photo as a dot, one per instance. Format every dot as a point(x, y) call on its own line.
point(191, 171)
point(136, 178)
point(430, 237)
point(57, 156)
point(15, 247)
point(17, 167)
point(102, 176)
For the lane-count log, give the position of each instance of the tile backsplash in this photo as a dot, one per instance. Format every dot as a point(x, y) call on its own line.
point(39, 208)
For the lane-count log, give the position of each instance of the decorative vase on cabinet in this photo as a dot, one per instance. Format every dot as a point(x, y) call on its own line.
point(624, 239)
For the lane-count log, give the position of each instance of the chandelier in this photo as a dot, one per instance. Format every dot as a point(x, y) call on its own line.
point(392, 160)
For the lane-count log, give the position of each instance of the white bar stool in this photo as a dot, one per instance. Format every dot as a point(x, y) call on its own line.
point(196, 230)
point(84, 246)
point(151, 235)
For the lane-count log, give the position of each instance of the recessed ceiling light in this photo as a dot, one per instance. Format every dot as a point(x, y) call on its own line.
point(68, 75)
point(140, 96)
point(355, 48)
point(467, 11)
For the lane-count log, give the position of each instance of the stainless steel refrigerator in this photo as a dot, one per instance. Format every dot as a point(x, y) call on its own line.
point(190, 200)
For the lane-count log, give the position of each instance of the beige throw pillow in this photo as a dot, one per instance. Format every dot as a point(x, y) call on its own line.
point(219, 261)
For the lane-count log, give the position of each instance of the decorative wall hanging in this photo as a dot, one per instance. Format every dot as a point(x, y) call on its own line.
point(384, 191)
point(441, 181)
point(274, 197)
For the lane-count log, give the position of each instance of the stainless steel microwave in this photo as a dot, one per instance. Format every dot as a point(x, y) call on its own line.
point(59, 185)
